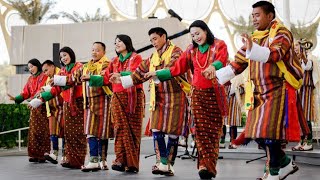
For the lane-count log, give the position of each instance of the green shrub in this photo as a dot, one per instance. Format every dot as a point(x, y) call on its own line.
point(243, 119)
point(13, 116)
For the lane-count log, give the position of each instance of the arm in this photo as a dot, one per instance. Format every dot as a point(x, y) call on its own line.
point(25, 94)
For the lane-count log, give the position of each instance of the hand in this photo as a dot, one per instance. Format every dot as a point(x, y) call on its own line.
point(115, 78)
point(12, 98)
point(85, 78)
point(51, 82)
point(209, 72)
point(247, 41)
point(150, 75)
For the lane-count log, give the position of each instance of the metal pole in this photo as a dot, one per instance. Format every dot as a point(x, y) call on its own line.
point(138, 8)
point(19, 136)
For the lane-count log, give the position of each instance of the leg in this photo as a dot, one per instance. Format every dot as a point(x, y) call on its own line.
point(53, 156)
point(233, 135)
point(172, 149)
point(307, 144)
point(93, 164)
point(103, 152)
point(223, 137)
point(161, 153)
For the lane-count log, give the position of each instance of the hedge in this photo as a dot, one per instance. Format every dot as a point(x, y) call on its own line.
point(13, 116)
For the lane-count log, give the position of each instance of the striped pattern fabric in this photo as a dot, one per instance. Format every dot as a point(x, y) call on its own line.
point(75, 139)
point(266, 120)
point(208, 125)
point(307, 97)
point(127, 127)
point(38, 135)
point(170, 114)
point(56, 121)
point(97, 120)
point(235, 114)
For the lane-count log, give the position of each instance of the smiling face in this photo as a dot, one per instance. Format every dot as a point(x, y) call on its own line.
point(260, 19)
point(97, 52)
point(48, 70)
point(65, 58)
point(32, 69)
point(198, 35)
point(158, 41)
point(120, 46)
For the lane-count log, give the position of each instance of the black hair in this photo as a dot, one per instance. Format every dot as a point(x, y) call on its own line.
point(203, 26)
point(266, 6)
point(158, 30)
point(48, 62)
point(127, 41)
point(36, 62)
point(102, 44)
point(68, 50)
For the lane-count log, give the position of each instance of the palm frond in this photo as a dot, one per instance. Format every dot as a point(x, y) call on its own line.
point(242, 26)
point(301, 32)
point(76, 17)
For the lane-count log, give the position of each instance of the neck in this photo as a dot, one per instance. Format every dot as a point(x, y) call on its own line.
point(124, 53)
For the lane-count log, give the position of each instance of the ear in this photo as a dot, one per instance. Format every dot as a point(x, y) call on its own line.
point(270, 16)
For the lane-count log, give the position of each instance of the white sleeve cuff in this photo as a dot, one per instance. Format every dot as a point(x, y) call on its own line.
point(126, 81)
point(59, 80)
point(35, 103)
point(307, 66)
point(258, 53)
point(156, 80)
point(47, 88)
point(225, 74)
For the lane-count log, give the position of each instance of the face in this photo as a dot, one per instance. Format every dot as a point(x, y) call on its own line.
point(65, 58)
point(97, 52)
point(261, 20)
point(297, 48)
point(32, 69)
point(48, 70)
point(120, 46)
point(157, 41)
point(198, 35)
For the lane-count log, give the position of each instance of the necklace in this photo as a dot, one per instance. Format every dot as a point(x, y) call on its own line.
point(205, 63)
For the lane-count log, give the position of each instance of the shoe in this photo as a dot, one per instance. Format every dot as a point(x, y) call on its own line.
point(170, 170)
point(51, 158)
point(132, 170)
point(160, 168)
point(116, 166)
point(31, 159)
point(103, 165)
point(232, 146)
point(297, 147)
point(306, 147)
point(91, 166)
point(205, 174)
point(42, 160)
point(291, 168)
point(222, 145)
point(269, 177)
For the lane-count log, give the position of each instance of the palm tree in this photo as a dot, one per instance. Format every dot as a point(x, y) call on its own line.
point(32, 11)
point(77, 18)
point(308, 33)
point(242, 26)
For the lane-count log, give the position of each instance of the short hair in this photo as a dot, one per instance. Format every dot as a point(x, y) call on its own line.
point(102, 44)
point(203, 26)
point(127, 41)
point(48, 62)
point(36, 62)
point(266, 6)
point(158, 30)
point(68, 50)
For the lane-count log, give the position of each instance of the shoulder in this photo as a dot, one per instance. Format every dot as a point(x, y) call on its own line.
point(219, 42)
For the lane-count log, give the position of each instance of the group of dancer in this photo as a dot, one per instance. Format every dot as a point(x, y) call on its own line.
point(90, 103)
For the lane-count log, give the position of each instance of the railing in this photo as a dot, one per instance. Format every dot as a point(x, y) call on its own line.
point(19, 134)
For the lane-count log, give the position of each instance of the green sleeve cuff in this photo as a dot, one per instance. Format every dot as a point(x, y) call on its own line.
point(125, 73)
point(46, 96)
point(163, 74)
point(65, 87)
point(18, 99)
point(96, 80)
point(217, 64)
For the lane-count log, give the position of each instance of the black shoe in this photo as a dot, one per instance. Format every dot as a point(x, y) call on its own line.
point(132, 170)
point(33, 159)
point(205, 174)
point(41, 160)
point(118, 168)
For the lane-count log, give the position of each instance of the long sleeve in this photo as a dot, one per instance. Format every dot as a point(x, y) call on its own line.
point(280, 46)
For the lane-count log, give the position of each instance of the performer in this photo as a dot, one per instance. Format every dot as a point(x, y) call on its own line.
point(73, 114)
point(55, 115)
point(38, 135)
point(127, 105)
point(209, 103)
point(307, 96)
point(270, 52)
point(168, 102)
